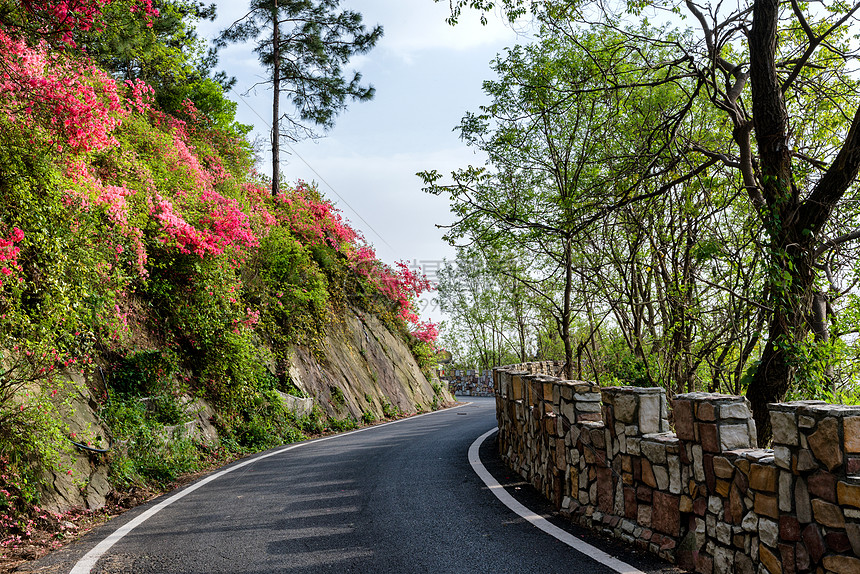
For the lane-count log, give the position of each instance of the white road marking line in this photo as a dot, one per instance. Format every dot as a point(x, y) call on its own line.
point(539, 521)
point(88, 561)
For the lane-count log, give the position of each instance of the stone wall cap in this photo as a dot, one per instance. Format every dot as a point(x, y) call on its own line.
point(737, 453)
point(715, 397)
point(761, 455)
point(825, 409)
point(633, 390)
point(793, 405)
point(575, 383)
point(591, 424)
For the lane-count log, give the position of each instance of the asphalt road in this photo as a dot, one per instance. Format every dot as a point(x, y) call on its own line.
point(395, 498)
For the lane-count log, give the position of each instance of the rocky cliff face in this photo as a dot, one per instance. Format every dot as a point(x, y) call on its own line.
point(365, 368)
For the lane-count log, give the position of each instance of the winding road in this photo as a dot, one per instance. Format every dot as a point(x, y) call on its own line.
point(398, 497)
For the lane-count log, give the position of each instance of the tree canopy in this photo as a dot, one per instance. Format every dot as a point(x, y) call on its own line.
point(771, 88)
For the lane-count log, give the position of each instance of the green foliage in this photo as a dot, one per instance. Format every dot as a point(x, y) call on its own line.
point(342, 425)
point(144, 453)
point(151, 231)
point(389, 411)
point(337, 397)
point(622, 366)
point(168, 55)
point(368, 418)
point(425, 356)
point(267, 423)
point(314, 422)
point(294, 290)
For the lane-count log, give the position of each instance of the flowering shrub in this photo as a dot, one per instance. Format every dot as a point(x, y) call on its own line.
point(63, 18)
point(70, 106)
point(9, 252)
point(121, 225)
point(427, 332)
point(318, 223)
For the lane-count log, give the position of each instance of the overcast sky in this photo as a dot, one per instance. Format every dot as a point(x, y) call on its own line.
point(427, 75)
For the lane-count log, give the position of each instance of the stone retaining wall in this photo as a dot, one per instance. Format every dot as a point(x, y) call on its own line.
point(468, 382)
point(703, 497)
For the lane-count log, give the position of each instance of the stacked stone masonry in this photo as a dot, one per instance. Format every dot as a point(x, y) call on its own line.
point(703, 497)
point(468, 382)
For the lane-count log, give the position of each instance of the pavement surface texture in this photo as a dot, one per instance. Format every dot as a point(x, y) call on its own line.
point(393, 498)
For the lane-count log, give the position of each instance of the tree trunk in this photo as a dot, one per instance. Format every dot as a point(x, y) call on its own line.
point(566, 311)
point(821, 331)
point(787, 287)
point(276, 114)
point(791, 287)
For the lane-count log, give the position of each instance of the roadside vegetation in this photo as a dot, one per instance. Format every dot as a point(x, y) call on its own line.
point(139, 246)
point(669, 198)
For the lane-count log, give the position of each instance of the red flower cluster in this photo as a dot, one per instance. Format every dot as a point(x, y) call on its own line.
point(315, 220)
point(76, 106)
point(224, 225)
point(47, 97)
point(9, 252)
point(65, 17)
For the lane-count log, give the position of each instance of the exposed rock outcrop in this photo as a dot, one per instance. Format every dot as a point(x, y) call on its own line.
point(365, 368)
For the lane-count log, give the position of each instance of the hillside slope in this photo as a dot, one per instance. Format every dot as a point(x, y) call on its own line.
point(365, 373)
point(159, 304)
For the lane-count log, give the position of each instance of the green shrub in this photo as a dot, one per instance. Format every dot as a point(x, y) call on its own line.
point(388, 410)
point(337, 397)
point(342, 425)
point(143, 452)
point(314, 422)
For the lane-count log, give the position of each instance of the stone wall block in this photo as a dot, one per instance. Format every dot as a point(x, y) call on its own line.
point(703, 496)
point(653, 450)
point(708, 437)
point(676, 476)
point(625, 405)
point(651, 412)
point(825, 444)
point(851, 427)
point(822, 484)
point(786, 482)
point(735, 436)
point(683, 413)
point(848, 494)
point(763, 478)
point(705, 410)
point(517, 386)
point(784, 425)
point(665, 513)
point(735, 410)
point(827, 514)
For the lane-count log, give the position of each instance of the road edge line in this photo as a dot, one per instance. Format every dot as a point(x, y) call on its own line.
point(539, 521)
point(86, 563)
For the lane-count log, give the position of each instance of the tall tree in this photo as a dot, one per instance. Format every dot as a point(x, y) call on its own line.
point(305, 45)
point(557, 161)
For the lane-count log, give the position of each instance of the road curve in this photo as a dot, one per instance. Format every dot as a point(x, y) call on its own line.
point(391, 498)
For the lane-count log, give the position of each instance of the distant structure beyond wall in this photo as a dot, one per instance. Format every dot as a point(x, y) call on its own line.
point(703, 496)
